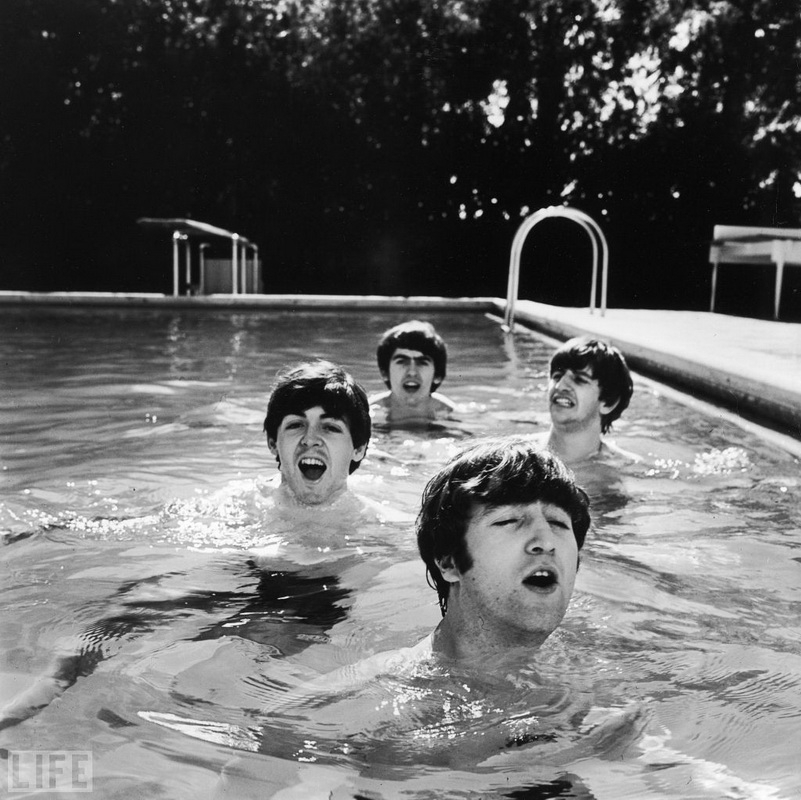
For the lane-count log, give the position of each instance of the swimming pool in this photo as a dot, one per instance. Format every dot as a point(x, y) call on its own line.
point(120, 428)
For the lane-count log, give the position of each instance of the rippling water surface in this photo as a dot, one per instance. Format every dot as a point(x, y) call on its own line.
point(182, 663)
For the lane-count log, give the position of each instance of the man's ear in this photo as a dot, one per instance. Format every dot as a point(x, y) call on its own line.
point(272, 445)
point(385, 377)
point(359, 453)
point(448, 569)
point(606, 408)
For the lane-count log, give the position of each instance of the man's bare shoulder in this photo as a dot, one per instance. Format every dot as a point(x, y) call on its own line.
point(354, 676)
point(380, 399)
point(612, 452)
point(286, 528)
point(443, 406)
point(539, 439)
point(352, 506)
point(380, 405)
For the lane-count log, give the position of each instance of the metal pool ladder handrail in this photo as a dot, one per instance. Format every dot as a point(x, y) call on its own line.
point(596, 236)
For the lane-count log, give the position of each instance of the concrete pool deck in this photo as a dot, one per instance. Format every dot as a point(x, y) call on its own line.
point(750, 366)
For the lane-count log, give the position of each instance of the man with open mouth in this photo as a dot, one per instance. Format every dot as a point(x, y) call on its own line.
point(500, 531)
point(318, 428)
point(412, 359)
point(589, 388)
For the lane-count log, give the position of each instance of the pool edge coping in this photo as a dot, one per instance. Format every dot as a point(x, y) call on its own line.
point(246, 301)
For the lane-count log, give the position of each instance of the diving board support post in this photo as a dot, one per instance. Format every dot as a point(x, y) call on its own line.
point(779, 256)
point(715, 262)
point(243, 268)
point(596, 236)
point(187, 265)
point(235, 263)
point(255, 268)
point(201, 289)
point(176, 236)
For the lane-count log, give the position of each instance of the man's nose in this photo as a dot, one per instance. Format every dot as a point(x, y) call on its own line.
point(539, 536)
point(311, 436)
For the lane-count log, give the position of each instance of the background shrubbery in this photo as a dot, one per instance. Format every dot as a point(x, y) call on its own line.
point(393, 146)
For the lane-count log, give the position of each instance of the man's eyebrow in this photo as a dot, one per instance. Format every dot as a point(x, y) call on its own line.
point(324, 415)
point(577, 370)
point(488, 508)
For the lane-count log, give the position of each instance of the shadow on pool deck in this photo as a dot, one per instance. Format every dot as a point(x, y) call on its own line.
point(751, 366)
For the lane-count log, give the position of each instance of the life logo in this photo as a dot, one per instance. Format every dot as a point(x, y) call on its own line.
point(65, 771)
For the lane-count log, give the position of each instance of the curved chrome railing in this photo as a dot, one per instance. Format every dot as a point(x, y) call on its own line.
point(596, 236)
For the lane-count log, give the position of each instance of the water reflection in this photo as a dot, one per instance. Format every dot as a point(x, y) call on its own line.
point(289, 610)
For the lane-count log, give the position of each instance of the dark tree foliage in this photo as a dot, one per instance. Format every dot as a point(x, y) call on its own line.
point(394, 146)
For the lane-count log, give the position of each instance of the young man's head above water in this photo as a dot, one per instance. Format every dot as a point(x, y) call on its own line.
point(412, 359)
point(500, 531)
point(318, 428)
point(589, 388)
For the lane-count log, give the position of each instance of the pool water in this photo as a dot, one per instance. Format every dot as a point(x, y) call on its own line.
point(129, 439)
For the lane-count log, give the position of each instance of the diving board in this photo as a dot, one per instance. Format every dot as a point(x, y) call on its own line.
point(742, 244)
point(185, 229)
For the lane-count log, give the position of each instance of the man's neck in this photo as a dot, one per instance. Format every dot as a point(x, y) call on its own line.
point(574, 446)
point(475, 646)
point(424, 410)
point(287, 499)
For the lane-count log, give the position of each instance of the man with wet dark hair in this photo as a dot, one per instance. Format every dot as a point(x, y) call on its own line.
point(318, 428)
point(412, 359)
point(500, 531)
point(589, 388)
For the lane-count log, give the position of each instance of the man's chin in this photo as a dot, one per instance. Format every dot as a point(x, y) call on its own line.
point(563, 416)
point(308, 493)
point(319, 493)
